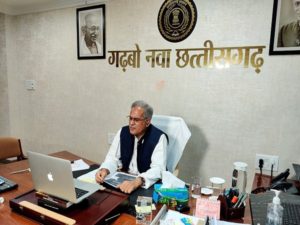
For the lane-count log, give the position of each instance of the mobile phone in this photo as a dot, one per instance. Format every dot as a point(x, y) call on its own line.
point(1, 181)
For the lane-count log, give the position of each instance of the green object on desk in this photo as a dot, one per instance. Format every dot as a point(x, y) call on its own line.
point(187, 221)
point(166, 195)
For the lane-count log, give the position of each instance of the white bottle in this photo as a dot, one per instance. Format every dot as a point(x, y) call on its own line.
point(275, 210)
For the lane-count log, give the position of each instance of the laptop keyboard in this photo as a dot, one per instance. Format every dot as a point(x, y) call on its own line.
point(291, 214)
point(80, 192)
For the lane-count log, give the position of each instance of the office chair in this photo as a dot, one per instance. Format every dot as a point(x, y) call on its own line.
point(178, 134)
point(10, 147)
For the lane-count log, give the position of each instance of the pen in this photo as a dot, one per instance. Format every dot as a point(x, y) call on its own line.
point(241, 196)
point(21, 171)
point(109, 218)
point(242, 200)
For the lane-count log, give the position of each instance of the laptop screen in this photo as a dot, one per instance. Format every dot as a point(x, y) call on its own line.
point(297, 171)
point(53, 176)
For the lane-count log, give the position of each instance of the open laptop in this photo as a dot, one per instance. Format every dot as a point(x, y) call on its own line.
point(53, 176)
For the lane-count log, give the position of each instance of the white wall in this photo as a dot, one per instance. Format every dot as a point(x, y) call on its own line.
point(4, 118)
point(232, 113)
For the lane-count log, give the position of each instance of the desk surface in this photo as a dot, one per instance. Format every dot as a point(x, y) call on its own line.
point(24, 180)
point(125, 219)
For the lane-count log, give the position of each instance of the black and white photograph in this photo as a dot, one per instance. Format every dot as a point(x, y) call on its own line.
point(285, 31)
point(91, 32)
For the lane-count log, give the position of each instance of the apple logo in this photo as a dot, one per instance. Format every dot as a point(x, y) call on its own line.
point(50, 176)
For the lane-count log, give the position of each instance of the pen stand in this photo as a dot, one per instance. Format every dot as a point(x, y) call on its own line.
point(230, 213)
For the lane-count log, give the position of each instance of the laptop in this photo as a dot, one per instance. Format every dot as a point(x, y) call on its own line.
point(53, 176)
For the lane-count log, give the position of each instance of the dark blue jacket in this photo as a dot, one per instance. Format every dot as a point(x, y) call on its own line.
point(145, 147)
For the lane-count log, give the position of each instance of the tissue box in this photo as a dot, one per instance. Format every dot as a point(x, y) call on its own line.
point(164, 195)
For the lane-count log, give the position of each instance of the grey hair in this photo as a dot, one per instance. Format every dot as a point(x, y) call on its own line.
point(148, 110)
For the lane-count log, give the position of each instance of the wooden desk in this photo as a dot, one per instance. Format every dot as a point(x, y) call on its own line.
point(261, 181)
point(24, 180)
point(126, 219)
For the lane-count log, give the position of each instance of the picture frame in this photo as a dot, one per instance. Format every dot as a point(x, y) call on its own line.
point(91, 32)
point(284, 39)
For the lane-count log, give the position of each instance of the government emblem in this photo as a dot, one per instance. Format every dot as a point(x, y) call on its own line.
point(177, 19)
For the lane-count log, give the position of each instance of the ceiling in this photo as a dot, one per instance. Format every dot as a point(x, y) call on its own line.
point(17, 7)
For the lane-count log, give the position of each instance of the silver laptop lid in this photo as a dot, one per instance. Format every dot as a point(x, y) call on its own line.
point(297, 171)
point(54, 176)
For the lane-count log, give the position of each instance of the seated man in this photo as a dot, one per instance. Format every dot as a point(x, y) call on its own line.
point(139, 149)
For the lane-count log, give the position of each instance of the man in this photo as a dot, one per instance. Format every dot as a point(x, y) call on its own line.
point(289, 34)
point(139, 148)
point(89, 44)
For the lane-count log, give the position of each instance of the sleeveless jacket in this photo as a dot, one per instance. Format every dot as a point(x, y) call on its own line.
point(145, 147)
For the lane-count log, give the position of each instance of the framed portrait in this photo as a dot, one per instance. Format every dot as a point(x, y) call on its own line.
point(285, 30)
point(91, 32)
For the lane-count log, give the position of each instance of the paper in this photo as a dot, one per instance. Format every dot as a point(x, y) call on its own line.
point(171, 181)
point(174, 217)
point(79, 165)
point(90, 178)
point(220, 222)
point(142, 209)
point(206, 207)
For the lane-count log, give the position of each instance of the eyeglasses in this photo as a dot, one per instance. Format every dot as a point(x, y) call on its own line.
point(136, 120)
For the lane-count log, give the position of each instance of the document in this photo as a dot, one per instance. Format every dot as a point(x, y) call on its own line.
point(113, 180)
point(79, 165)
point(174, 217)
point(220, 222)
point(118, 177)
point(90, 178)
point(206, 207)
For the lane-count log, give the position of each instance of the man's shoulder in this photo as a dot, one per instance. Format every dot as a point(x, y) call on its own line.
point(293, 26)
point(158, 131)
point(125, 127)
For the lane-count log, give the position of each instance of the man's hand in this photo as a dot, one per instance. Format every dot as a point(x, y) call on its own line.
point(101, 174)
point(130, 186)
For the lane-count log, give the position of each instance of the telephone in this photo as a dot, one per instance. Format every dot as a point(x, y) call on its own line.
point(279, 182)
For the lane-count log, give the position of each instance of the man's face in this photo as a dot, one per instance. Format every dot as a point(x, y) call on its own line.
point(137, 122)
point(92, 27)
point(296, 5)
